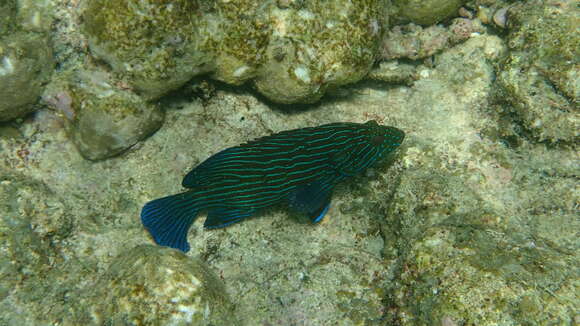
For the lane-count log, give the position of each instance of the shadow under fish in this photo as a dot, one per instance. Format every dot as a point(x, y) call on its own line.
point(300, 166)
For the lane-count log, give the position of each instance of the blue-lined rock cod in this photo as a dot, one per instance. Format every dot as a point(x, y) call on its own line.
point(301, 166)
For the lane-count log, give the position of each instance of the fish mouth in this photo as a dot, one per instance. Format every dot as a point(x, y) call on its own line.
point(395, 135)
point(401, 135)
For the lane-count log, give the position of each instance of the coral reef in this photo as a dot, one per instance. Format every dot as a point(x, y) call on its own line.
point(473, 263)
point(322, 46)
point(292, 53)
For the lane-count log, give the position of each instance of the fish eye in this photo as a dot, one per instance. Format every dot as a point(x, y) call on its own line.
point(377, 140)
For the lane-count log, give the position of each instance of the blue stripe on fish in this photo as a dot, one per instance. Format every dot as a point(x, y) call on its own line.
point(301, 166)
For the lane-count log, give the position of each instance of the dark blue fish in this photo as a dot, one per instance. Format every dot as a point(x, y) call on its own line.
point(301, 166)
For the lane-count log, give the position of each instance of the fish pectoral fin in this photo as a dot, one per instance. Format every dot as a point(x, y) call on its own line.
point(222, 217)
point(312, 199)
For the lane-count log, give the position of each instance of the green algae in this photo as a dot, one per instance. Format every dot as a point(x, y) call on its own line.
point(240, 39)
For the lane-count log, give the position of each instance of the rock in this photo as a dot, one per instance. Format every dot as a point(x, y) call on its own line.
point(26, 61)
point(32, 217)
point(293, 52)
point(35, 16)
point(26, 64)
point(470, 222)
point(426, 12)
point(394, 72)
point(151, 285)
point(322, 46)
point(154, 45)
point(500, 17)
point(8, 17)
point(540, 78)
point(415, 42)
point(106, 120)
point(469, 263)
point(240, 40)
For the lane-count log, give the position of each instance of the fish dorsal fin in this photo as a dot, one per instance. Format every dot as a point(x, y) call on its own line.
point(205, 173)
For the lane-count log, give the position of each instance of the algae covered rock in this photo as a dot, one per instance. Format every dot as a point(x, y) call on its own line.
point(151, 285)
point(26, 64)
point(17, 15)
point(238, 42)
point(540, 78)
point(33, 223)
point(8, 17)
point(26, 60)
point(293, 52)
point(31, 216)
point(154, 45)
point(106, 120)
point(323, 45)
point(470, 265)
point(426, 12)
point(481, 234)
point(414, 42)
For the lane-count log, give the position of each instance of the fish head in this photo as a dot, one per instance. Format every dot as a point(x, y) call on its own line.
point(384, 138)
point(363, 152)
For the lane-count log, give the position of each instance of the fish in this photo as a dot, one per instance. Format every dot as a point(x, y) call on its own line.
point(300, 166)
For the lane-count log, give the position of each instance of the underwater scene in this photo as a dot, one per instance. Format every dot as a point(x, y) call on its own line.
point(290, 162)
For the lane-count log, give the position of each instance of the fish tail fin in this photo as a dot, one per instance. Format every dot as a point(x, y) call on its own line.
point(168, 219)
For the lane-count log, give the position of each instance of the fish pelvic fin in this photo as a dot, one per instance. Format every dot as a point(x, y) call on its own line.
point(168, 219)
